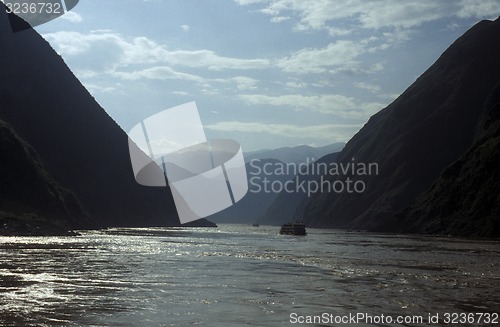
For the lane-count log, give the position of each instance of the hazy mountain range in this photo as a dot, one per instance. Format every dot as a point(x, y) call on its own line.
point(295, 155)
point(263, 172)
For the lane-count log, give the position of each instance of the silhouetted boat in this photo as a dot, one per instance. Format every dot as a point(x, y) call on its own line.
point(296, 228)
point(256, 225)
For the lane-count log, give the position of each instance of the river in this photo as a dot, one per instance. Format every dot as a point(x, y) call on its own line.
point(239, 275)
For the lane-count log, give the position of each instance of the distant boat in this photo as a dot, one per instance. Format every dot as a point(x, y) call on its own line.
point(296, 228)
point(255, 225)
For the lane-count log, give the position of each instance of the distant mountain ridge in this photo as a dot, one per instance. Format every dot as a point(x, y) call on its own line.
point(265, 169)
point(416, 137)
point(296, 155)
point(258, 198)
point(286, 205)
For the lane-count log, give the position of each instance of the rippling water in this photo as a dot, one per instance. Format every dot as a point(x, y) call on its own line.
point(239, 275)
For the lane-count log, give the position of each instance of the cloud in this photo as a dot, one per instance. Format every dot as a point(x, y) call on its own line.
point(332, 104)
point(358, 68)
point(342, 56)
point(335, 31)
point(366, 86)
point(185, 28)
point(279, 19)
point(321, 14)
point(72, 17)
point(295, 84)
point(158, 73)
point(478, 9)
point(405, 14)
point(330, 133)
point(142, 50)
point(244, 83)
point(339, 53)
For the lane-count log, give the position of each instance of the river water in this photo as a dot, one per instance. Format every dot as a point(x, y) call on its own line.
point(238, 275)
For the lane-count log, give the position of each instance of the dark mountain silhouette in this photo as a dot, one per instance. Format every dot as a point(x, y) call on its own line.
point(425, 130)
point(31, 201)
point(465, 200)
point(77, 142)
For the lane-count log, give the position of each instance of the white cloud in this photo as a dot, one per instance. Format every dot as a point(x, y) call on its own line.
point(358, 68)
point(72, 17)
point(404, 14)
point(210, 60)
point(142, 50)
point(335, 31)
point(341, 56)
point(367, 86)
point(330, 133)
point(479, 9)
point(333, 104)
point(322, 14)
point(158, 73)
point(279, 19)
point(339, 53)
point(185, 28)
point(244, 83)
point(296, 84)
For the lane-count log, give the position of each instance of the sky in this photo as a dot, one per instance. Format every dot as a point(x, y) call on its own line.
point(266, 73)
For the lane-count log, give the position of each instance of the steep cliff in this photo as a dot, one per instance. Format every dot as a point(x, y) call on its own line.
point(431, 125)
point(76, 140)
point(31, 201)
point(465, 200)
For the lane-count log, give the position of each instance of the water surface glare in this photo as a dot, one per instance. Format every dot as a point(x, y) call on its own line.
point(237, 275)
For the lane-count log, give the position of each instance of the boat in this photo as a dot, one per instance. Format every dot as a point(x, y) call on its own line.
point(255, 225)
point(296, 228)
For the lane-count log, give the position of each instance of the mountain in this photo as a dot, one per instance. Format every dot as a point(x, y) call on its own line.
point(295, 155)
point(77, 142)
point(267, 172)
point(262, 175)
point(465, 199)
point(413, 140)
point(31, 201)
point(286, 205)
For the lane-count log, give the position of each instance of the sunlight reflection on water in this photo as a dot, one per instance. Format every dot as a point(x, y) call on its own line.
point(239, 275)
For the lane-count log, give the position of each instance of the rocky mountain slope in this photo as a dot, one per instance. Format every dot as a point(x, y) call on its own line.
point(76, 140)
point(430, 126)
point(465, 200)
point(31, 201)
